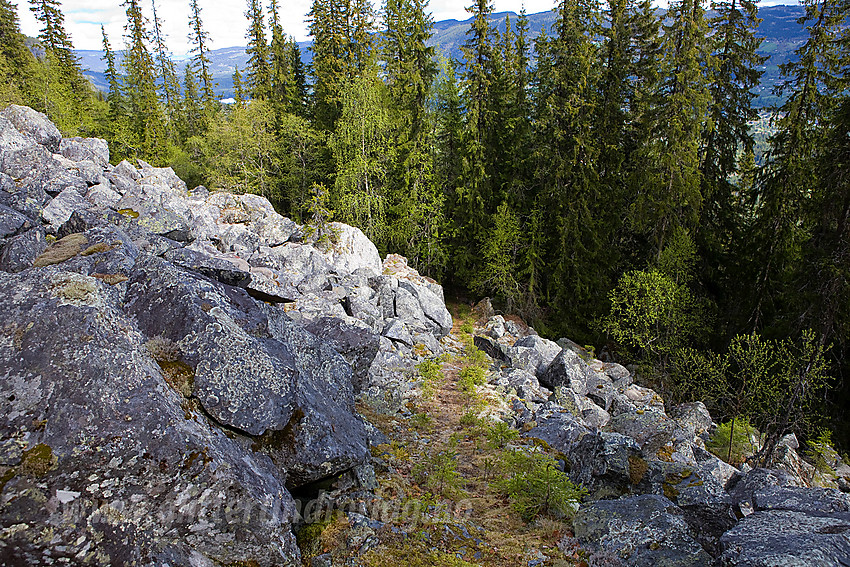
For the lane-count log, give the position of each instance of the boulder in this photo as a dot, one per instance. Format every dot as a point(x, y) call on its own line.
point(646, 530)
point(109, 445)
point(33, 125)
point(12, 222)
point(19, 252)
point(255, 371)
point(358, 345)
point(743, 486)
point(561, 430)
point(62, 207)
point(437, 317)
point(218, 267)
point(351, 250)
point(567, 369)
point(650, 430)
point(94, 150)
point(607, 464)
point(154, 218)
point(788, 537)
point(492, 348)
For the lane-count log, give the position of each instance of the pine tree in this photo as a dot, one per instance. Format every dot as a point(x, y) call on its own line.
point(145, 115)
point(258, 76)
point(200, 40)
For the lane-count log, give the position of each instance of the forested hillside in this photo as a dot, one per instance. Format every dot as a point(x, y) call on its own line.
point(599, 180)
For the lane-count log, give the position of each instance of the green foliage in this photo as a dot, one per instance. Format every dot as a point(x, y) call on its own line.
point(535, 486)
point(439, 474)
point(243, 151)
point(652, 314)
point(745, 439)
point(470, 378)
point(500, 434)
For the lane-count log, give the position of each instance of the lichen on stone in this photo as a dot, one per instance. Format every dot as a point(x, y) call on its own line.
point(75, 289)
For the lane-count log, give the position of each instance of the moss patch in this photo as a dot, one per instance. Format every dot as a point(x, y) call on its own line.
point(637, 469)
point(6, 474)
point(96, 249)
point(61, 250)
point(179, 375)
point(38, 461)
point(111, 279)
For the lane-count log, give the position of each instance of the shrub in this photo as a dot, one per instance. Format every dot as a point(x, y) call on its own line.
point(742, 445)
point(500, 435)
point(439, 473)
point(467, 327)
point(470, 378)
point(535, 486)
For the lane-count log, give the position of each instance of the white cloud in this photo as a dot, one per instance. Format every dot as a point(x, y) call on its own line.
point(224, 20)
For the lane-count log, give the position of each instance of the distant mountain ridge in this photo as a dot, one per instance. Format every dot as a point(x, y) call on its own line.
point(779, 28)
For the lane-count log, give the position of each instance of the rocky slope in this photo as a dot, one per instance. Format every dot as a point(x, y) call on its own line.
point(183, 371)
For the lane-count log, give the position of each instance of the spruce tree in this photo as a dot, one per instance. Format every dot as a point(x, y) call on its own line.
point(169, 84)
point(258, 76)
point(53, 36)
point(734, 74)
point(782, 200)
point(17, 61)
point(200, 40)
point(472, 203)
point(570, 198)
point(145, 114)
point(300, 100)
point(282, 84)
point(238, 92)
point(669, 183)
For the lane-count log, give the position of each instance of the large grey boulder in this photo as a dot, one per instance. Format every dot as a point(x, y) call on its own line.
point(60, 209)
point(561, 430)
point(99, 441)
point(255, 371)
point(34, 125)
point(18, 253)
point(607, 464)
point(94, 150)
point(743, 486)
point(646, 530)
point(357, 344)
point(437, 317)
point(352, 250)
point(533, 354)
point(805, 537)
point(567, 369)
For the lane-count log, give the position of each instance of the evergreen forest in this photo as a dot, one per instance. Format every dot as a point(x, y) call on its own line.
point(601, 181)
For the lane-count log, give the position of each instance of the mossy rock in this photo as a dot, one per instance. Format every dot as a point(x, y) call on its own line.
point(38, 461)
point(61, 250)
point(96, 249)
point(637, 469)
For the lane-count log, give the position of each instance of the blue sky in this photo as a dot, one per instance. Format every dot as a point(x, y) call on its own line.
point(223, 19)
